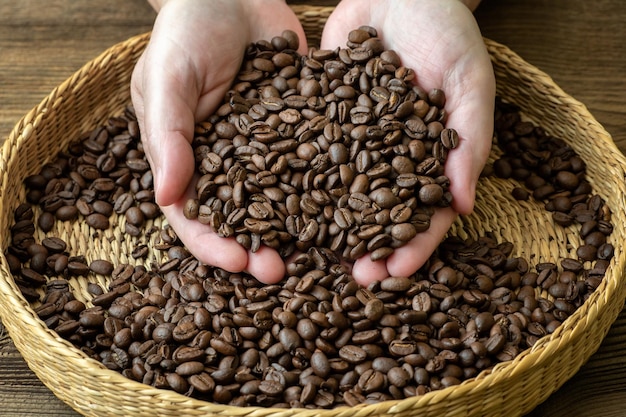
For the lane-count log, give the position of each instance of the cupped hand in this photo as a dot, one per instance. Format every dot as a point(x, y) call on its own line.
point(194, 53)
point(441, 41)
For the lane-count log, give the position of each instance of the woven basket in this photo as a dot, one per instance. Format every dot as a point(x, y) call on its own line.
point(101, 89)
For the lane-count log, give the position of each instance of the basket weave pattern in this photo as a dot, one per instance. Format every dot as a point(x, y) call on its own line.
point(101, 89)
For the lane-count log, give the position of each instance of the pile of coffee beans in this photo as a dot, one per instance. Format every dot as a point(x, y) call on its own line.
point(337, 149)
point(316, 339)
point(554, 174)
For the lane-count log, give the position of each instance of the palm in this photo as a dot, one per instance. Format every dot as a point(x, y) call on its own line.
point(193, 56)
point(440, 41)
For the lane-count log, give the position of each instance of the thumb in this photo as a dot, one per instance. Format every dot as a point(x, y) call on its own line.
point(471, 108)
point(165, 108)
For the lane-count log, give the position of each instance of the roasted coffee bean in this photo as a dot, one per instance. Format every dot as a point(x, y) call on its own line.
point(449, 138)
point(396, 284)
point(403, 232)
point(431, 194)
point(587, 252)
point(520, 194)
point(352, 354)
point(320, 364)
point(54, 244)
point(66, 213)
point(97, 221)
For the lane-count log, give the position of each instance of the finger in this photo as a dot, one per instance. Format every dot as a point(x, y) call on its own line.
point(205, 244)
point(276, 19)
point(365, 271)
point(344, 18)
point(169, 101)
point(406, 260)
point(470, 112)
point(266, 265)
point(464, 165)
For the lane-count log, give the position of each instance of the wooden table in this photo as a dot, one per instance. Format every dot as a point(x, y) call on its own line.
point(579, 43)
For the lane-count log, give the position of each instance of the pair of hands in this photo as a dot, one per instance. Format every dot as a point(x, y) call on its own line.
point(196, 50)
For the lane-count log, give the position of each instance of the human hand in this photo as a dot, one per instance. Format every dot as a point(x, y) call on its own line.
point(441, 42)
point(195, 51)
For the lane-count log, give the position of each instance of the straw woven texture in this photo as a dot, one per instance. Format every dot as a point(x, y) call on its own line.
point(101, 89)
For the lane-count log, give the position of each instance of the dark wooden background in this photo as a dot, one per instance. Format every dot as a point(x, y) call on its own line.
point(580, 43)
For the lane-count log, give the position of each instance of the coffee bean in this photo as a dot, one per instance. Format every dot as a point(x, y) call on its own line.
point(403, 232)
point(395, 284)
point(97, 221)
point(587, 252)
point(520, 194)
point(343, 218)
point(66, 213)
point(352, 354)
point(567, 180)
point(449, 138)
point(431, 194)
point(502, 168)
point(320, 364)
point(401, 348)
point(134, 216)
point(381, 253)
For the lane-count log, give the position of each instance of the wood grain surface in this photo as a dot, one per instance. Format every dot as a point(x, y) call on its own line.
point(579, 43)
